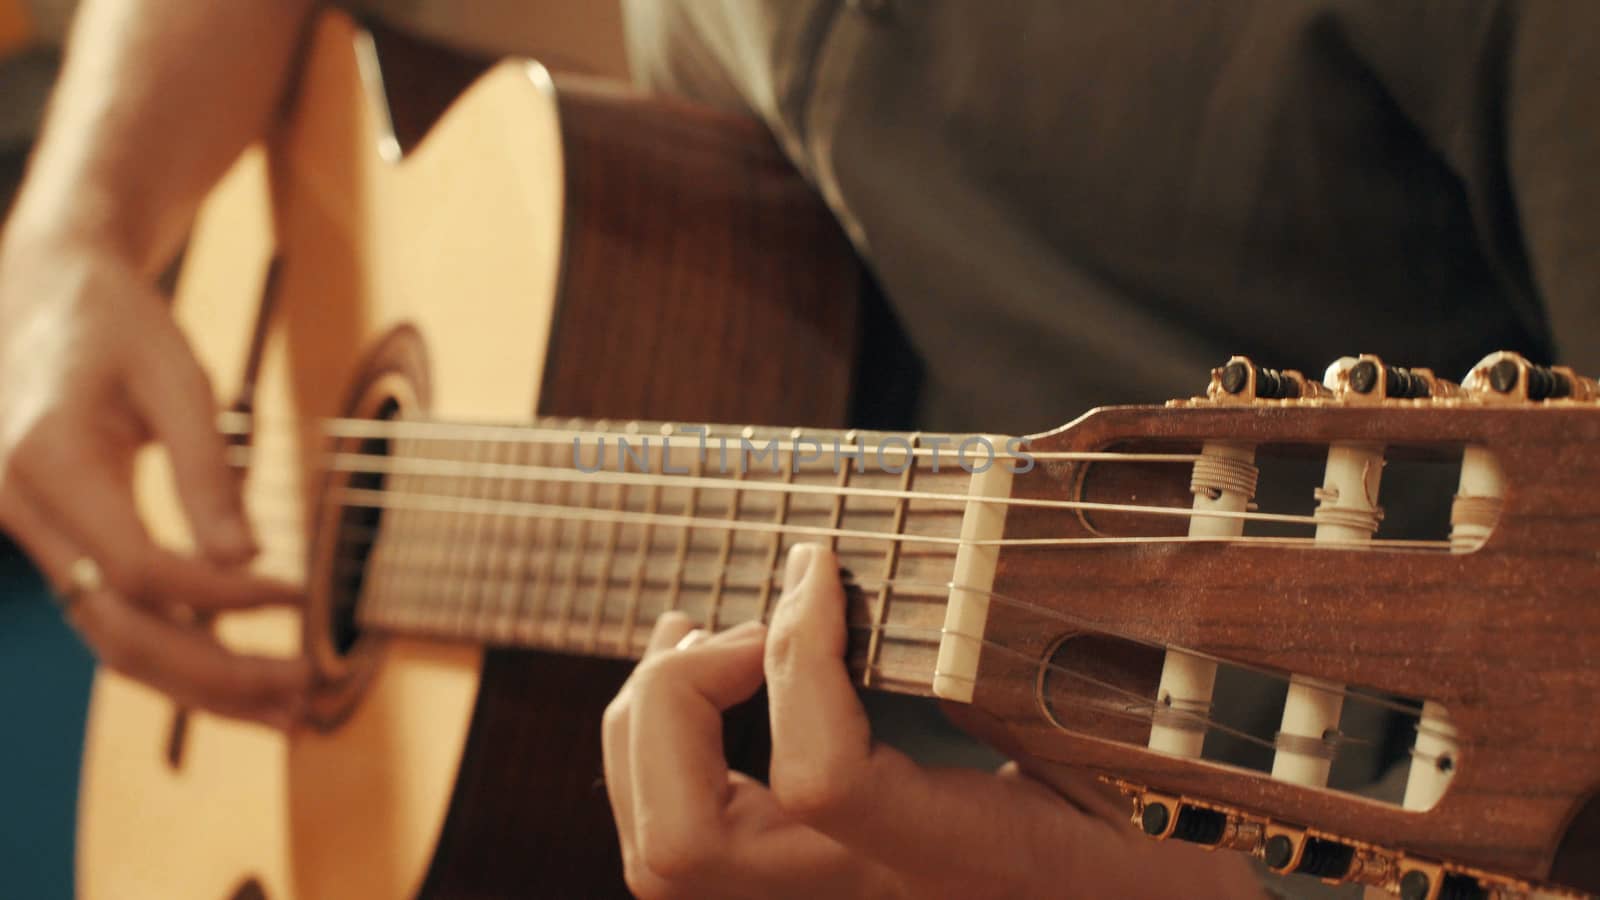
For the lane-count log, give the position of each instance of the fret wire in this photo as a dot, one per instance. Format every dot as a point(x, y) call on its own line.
point(351, 565)
point(608, 559)
point(391, 500)
point(726, 550)
point(461, 574)
point(397, 545)
point(451, 551)
point(442, 555)
point(504, 547)
point(470, 592)
point(691, 513)
point(446, 553)
point(521, 559)
point(483, 607)
point(836, 519)
point(891, 559)
point(550, 553)
point(428, 430)
point(580, 546)
point(416, 526)
point(775, 548)
point(348, 462)
point(500, 540)
point(630, 615)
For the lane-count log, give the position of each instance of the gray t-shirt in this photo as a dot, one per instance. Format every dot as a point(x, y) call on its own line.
point(1072, 203)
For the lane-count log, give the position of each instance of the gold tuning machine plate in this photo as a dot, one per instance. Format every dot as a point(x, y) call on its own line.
point(1288, 848)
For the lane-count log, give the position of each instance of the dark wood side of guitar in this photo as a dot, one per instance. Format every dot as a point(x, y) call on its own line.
point(702, 282)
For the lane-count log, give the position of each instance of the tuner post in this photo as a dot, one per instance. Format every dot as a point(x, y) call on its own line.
point(1240, 381)
point(1224, 481)
point(1347, 515)
point(1506, 377)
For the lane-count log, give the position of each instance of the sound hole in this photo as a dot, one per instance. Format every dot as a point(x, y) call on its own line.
point(357, 533)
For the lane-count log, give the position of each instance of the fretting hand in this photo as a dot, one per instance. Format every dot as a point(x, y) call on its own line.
point(845, 816)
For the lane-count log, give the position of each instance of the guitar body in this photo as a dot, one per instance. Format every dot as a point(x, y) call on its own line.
point(537, 251)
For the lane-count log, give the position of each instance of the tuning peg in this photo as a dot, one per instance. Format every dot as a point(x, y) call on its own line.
point(1240, 380)
point(1368, 378)
point(1504, 375)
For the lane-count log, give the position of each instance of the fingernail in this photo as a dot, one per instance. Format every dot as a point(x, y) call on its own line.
point(690, 639)
point(799, 562)
point(746, 630)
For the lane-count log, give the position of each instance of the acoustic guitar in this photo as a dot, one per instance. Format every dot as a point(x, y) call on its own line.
point(466, 353)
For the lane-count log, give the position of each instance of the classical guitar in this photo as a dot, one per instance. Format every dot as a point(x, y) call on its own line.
point(461, 352)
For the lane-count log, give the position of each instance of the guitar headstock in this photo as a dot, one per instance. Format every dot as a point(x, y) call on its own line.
point(1379, 546)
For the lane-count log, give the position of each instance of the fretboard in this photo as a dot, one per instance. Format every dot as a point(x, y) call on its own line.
point(576, 536)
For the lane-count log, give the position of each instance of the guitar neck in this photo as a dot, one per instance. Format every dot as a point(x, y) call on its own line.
point(576, 536)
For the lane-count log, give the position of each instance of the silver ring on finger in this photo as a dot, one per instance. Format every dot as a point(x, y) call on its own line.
point(83, 578)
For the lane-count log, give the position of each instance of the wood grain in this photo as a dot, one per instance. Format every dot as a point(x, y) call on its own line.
point(701, 282)
point(1507, 638)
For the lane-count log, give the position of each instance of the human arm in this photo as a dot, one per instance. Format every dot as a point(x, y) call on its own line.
point(156, 100)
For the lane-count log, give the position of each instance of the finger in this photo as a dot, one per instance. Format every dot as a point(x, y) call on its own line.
point(671, 630)
point(188, 664)
point(51, 552)
point(820, 731)
point(171, 392)
point(201, 584)
point(679, 776)
point(827, 772)
point(180, 660)
point(672, 627)
point(80, 491)
point(614, 731)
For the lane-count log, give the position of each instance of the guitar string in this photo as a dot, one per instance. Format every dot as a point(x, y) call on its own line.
point(540, 476)
point(1141, 708)
point(392, 499)
point(402, 546)
point(1333, 740)
point(356, 498)
point(236, 424)
point(369, 464)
